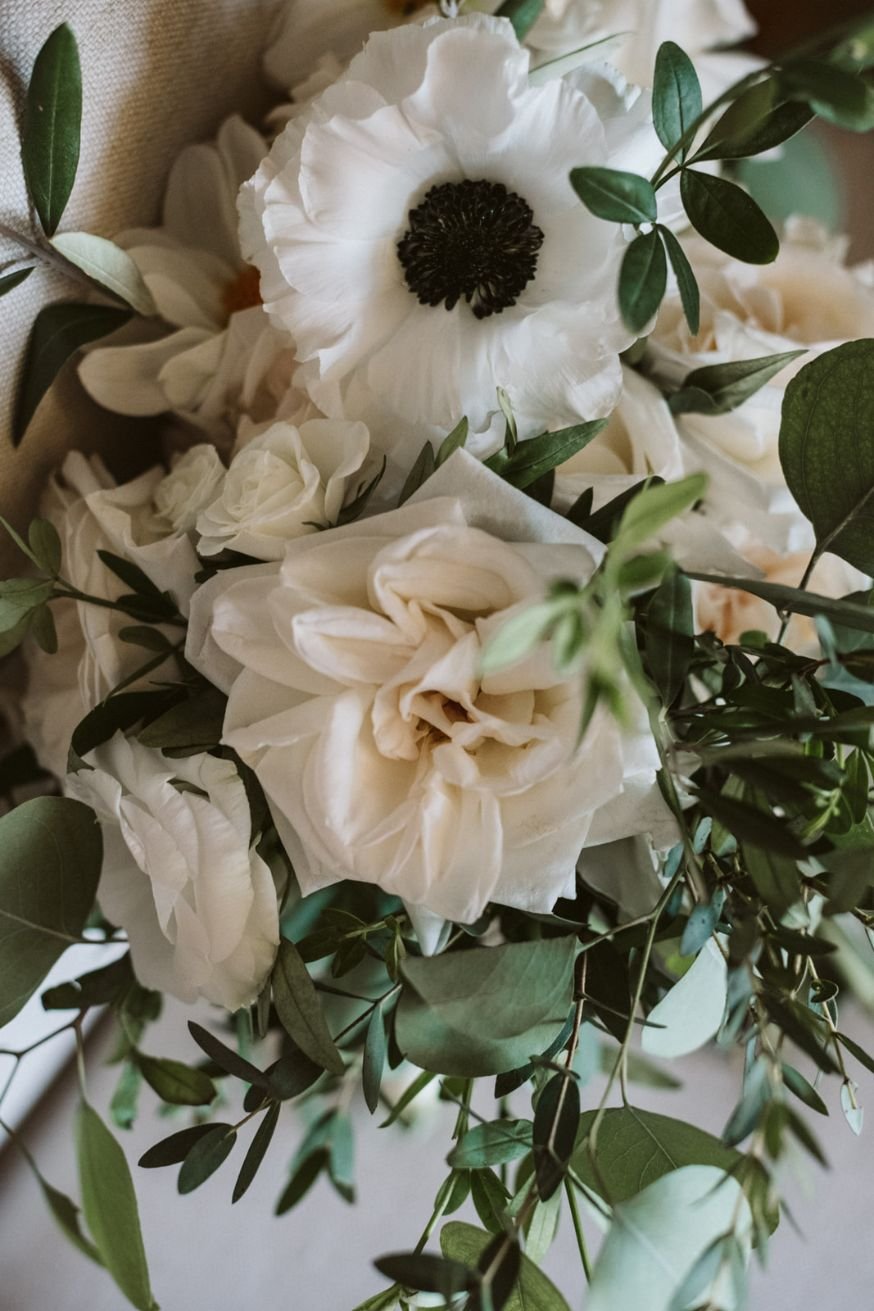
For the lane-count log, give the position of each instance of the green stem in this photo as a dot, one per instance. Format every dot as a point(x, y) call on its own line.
point(578, 1230)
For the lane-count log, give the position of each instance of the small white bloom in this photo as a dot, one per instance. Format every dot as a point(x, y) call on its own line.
point(808, 299)
point(92, 514)
point(283, 484)
point(305, 30)
point(221, 357)
point(179, 872)
point(418, 236)
point(387, 757)
point(189, 487)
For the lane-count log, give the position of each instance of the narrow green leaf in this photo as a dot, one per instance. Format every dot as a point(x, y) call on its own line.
point(205, 1157)
point(848, 613)
point(9, 281)
point(408, 1096)
point(43, 630)
point(225, 1057)
point(178, 1084)
point(523, 14)
point(676, 95)
point(301, 1181)
point(453, 442)
point(687, 285)
point(720, 388)
point(535, 457)
point(424, 465)
point(855, 1050)
point(374, 1059)
point(614, 195)
point(173, 1150)
point(300, 1012)
point(754, 123)
point(835, 94)
point(556, 1118)
point(728, 218)
point(66, 1212)
point(51, 853)
point(643, 279)
point(533, 1292)
point(701, 923)
point(828, 411)
point(110, 1208)
point(58, 332)
point(109, 266)
point(670, 643)
point(52, 125)
point(426, 1273)
point(44, 542)
point(195, 723)
point(490, 1199)
point(803, 1089)
point(257, 1151)
point(649, 511)
point(496, 1143)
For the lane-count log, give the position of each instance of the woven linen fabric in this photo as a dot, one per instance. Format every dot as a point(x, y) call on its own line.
point(157, 74)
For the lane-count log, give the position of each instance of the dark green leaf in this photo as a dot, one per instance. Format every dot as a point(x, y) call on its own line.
point(125, 1100)
point(20, 768)
point(751, 825)
point(374, 1059)
point(687, 285)
point(257, 1151)
point(837, 95)
point(720, 388)
point(66, 1213)
point(205, 1157)
point(453, 442)
point(604, 523)
point(292, 1074)
point(226, 1058)
point(57, 333)
point(499, 1267)
point(173, 1150)
point(775, 876)
point(859, 1052)
point(642, 280)
point(556, 1118)
point(52, 123)
point(828, 411)
point(497, 1143)
point(533, 1291)
point(523, 14)
point(426, 1273)
point(676, 95)
point(636, 1147)
point(728, 218)
point(300, 1012)
point(421, 471)
point(45, 544)
point(197, 723)
point(51, 853)
point(805, 1091)
point(753, 124)
point(670, 644)
point(301, 1181)
point(130, 574)
point(490, 1198)
point(110, 1208)
point(805, 1028)
point(43, 630)
point(356, 507)
point(9, 281)
point(117, 714)
point(485, 1010)
point(178, 1084)
point(701, 924)
point(150, 639)
point(614, 195)
point(532, 459)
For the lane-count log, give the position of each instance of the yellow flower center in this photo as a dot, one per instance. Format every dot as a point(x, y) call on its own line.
point(244, 292)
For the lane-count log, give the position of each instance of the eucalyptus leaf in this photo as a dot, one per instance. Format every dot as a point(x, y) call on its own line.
point(496, 1143)
point(110, 1208)
point(300, 1012)
point(9, 281)
point(52, 126)
point(635, 1147)
point(226, 1058)
point(426, 1273)
point(720, 388)
point(556, 1118)
point(109, 266)
point(643, 279)
point(373, 1062)
point(486, 1010)
point(728, 218)
point(51, 853)
point(173, 1150)
point(533, 1292)
point(523, 14)
point(205, 1157)
point(614, 195)
point(175, 1083)
point(692, 1011)
point(828, 411)
point(490, 1199)
point(676, 96)
point(257, 1151)
point(57, 333)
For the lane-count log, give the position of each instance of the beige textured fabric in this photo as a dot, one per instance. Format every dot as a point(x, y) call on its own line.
point(157, 74)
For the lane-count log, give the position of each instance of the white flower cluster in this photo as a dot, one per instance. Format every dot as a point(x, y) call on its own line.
point(406, 248)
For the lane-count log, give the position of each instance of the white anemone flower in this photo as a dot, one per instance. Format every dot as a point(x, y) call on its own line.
point(418, 236)
point(221, 356)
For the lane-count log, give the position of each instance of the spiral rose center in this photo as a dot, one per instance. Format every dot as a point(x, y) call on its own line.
point(472, 241)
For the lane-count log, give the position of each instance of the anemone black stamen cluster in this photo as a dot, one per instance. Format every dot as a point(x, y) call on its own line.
point(471, 240)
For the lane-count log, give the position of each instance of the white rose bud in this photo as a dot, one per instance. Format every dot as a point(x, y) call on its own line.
point(179, 874)
point(284, 484)
point(190, 487)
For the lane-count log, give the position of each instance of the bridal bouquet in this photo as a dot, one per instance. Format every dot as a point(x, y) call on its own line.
point(477, 693)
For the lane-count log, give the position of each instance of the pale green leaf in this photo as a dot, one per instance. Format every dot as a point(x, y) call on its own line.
point(108, 265)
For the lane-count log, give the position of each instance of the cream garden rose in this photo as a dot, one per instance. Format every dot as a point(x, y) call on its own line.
point(807, 299)
point(179, 874)
point(356, 696)
point(284, 482)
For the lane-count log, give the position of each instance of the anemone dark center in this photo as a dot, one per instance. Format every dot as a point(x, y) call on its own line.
point(474, 241)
